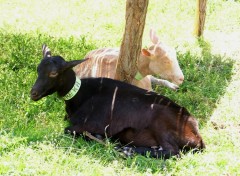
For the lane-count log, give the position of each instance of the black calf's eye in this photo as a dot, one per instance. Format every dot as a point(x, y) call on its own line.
point(53, 74)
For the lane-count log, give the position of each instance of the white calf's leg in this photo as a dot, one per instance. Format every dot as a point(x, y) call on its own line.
point(163, 82)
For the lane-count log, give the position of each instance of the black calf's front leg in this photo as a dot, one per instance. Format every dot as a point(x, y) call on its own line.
point(76, 120)
point(154, 152)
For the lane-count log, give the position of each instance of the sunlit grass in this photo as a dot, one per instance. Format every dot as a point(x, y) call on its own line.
point(66, 18)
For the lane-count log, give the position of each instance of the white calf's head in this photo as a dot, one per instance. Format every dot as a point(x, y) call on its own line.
point(163, 60)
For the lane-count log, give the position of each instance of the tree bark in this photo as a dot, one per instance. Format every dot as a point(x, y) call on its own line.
point(130, 49)
point(200, 17)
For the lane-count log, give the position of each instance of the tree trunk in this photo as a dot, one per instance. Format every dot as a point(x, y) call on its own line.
point(200, 17)
point(136, 11)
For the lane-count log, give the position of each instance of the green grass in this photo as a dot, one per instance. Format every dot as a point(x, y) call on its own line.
point(31, 133)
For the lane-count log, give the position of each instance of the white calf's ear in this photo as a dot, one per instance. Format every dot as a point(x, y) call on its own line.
point(46, 51)
point(160, 51)
point(145, 52)
point(153, 36)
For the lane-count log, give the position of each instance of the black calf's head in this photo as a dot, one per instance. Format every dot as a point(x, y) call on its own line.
point(50, 71)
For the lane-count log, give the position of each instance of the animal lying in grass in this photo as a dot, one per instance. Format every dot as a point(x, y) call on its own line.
point(141, 119)
point(159, 59)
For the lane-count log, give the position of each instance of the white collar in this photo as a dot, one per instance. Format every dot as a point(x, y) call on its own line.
point(74, 90)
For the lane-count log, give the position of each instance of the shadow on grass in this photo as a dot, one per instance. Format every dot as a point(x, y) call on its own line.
point(206, 79)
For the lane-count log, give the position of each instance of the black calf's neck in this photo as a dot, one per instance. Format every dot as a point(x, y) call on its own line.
point(66, 82)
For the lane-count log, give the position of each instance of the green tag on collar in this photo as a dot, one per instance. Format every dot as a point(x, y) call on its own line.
point(138, 76)
point(74, 90)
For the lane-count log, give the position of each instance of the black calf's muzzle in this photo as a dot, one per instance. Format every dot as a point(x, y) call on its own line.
point(39, 89)
point(34, 94)
point(36, 91)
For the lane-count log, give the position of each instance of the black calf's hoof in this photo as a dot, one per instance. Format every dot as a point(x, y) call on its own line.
point(68, 130)
point(125, 151)
point(98, 136)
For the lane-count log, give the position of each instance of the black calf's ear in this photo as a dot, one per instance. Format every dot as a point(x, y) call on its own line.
point(71, 64)
point(46, 51)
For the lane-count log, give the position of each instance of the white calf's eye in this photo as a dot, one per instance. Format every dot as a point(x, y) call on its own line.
point(53, 74)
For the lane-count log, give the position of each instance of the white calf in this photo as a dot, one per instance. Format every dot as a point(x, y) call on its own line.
point(159, 59)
